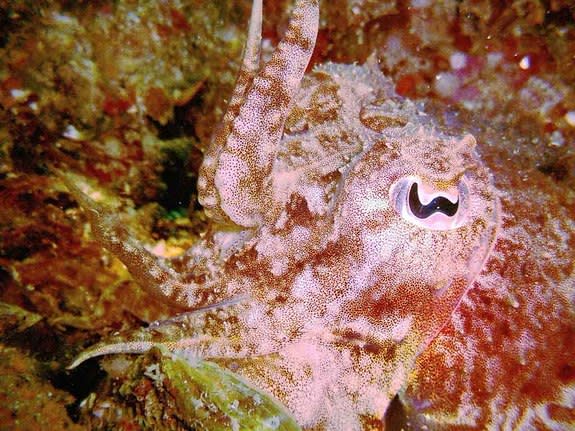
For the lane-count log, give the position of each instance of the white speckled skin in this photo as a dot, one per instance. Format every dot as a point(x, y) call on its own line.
point(506, 358)
point(328, 287)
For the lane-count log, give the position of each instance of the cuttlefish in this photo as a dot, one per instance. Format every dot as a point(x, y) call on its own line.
point(356, 251)
point(506, 358)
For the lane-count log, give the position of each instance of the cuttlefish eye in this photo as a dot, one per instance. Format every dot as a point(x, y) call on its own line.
point(438, 204)
point(429, 207)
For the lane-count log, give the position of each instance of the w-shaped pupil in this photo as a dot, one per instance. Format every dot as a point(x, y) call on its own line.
point(438, 204)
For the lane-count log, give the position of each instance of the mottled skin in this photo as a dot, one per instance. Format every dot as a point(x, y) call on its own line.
point(317, 281)
point(506, 359)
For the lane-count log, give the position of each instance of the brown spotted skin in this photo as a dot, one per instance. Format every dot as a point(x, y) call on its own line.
point(326, 273)
point(506, 359)
point(248, 145)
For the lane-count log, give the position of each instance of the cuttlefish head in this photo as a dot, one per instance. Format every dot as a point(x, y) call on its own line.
point(419, 213)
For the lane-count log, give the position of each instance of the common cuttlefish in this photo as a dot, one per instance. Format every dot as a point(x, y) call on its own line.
point(358, 253)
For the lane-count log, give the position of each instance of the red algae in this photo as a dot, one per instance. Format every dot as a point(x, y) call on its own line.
point(28, 401)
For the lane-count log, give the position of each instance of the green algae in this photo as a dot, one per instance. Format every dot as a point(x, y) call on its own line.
point(14, 319)
point(218, 399)
point(166, 392)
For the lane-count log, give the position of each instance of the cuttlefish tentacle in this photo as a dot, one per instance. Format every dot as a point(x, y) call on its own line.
point(202, 344)
point(236, 181)
point(207, 192)
point(151, 272)
point(246, 75)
